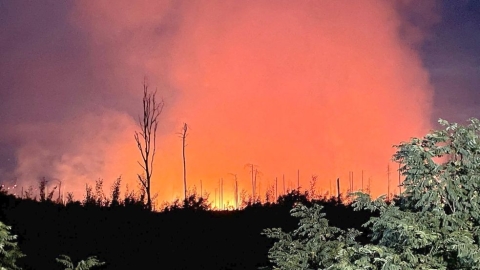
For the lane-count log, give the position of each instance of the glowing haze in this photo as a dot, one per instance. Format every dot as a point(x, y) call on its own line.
point(324, 87)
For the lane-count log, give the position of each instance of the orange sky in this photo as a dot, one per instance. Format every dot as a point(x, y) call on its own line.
point(324, 87)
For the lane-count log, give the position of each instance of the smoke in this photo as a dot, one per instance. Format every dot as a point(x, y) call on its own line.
point(77, 152)
point(322, 87)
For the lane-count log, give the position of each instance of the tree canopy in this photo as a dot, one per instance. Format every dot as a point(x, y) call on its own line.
point(9, 250)
point(433, 224)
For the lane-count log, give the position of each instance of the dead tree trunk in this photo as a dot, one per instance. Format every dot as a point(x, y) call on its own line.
point(184, 135)
point(146, 139)
point(254, 172)
point(338, 189)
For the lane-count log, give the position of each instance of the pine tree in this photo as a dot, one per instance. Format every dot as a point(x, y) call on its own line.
point(433, 224)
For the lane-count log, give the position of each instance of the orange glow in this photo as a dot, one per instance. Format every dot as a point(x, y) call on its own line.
point(324, 87)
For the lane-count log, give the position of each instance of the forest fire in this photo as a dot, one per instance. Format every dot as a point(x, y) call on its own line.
point(320, 88)
point(237, 134)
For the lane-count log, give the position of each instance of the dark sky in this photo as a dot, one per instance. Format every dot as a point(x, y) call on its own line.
point(452, 56)
point(71, 74)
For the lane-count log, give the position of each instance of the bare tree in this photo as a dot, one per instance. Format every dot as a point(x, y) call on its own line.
point(183, 135)
point(146, 139)
point(255, 172)
point(236, 190)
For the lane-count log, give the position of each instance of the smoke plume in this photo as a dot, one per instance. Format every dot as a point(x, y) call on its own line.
point(323, 87)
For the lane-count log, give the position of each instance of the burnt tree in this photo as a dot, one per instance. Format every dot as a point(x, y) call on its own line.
point(146, 138)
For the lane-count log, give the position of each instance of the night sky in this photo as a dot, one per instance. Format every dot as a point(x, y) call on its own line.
point(324, 87)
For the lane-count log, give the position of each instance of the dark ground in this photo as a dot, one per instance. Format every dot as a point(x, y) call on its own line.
point(129, 237)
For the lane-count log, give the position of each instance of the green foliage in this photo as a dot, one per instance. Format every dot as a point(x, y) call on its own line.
point(314, 243)
point(293, 197)
point(434, 224)
point(87, 264)
point(9, 251)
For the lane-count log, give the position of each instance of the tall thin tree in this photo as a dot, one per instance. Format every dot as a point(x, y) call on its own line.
point(298, 180)
point(276, 189)
point(254, 172)
point(146, 138)
point(236, 189)
point(184, 136)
